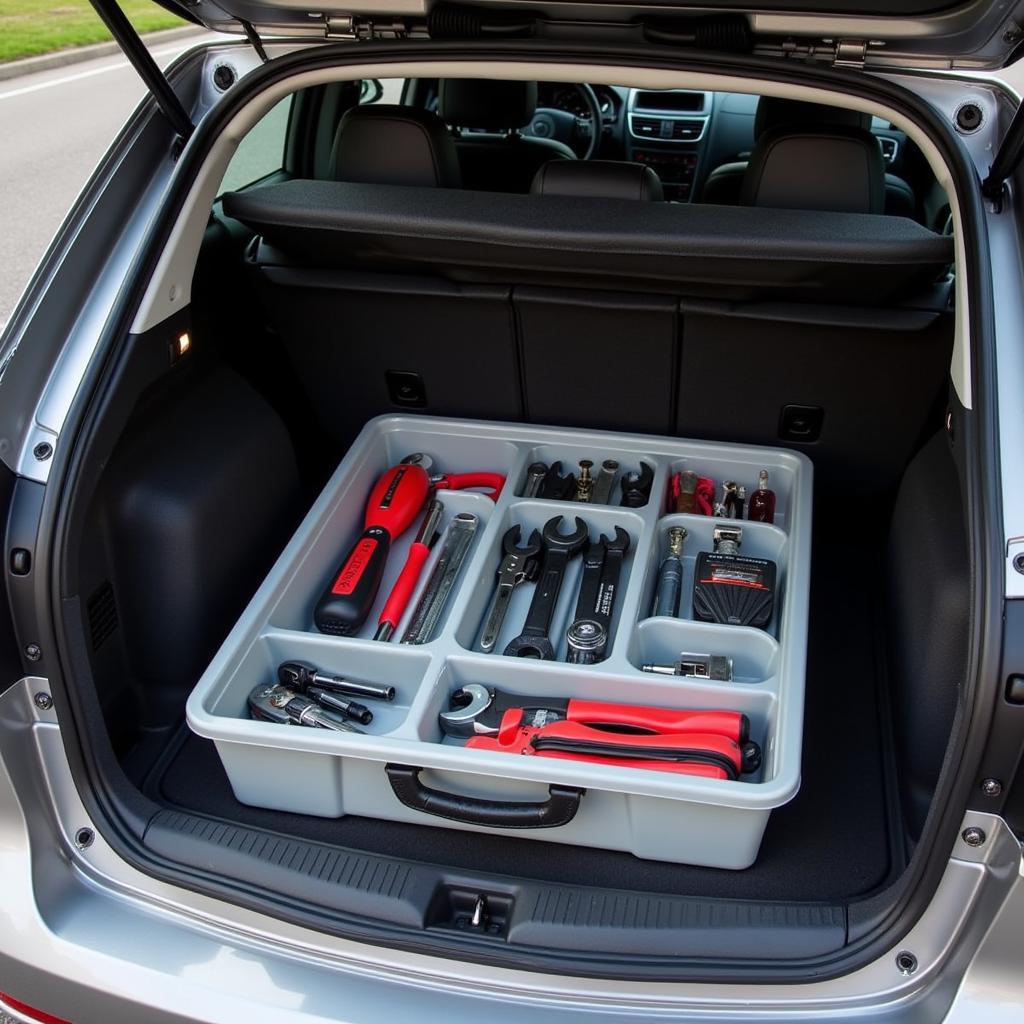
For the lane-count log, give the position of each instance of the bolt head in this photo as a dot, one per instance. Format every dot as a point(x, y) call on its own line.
point(1018, 563)
point(43, 701)
point(973, 836)
point(33, 652)
point(42, 451)
point(991, 787)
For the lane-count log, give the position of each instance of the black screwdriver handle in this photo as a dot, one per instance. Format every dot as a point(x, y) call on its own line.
point(347, 602)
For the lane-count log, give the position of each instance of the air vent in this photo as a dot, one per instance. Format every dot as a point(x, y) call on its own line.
point(647, 126)
point(687, 131)
point(102, 612)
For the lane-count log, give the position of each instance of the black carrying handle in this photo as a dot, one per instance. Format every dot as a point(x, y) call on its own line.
point(559, 809)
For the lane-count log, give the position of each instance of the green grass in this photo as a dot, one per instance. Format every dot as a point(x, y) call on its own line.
point(32, 27)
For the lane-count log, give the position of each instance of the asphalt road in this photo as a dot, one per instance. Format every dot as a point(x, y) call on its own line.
point(56, 126)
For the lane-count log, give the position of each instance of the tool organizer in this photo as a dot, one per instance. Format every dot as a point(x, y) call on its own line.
point(652, 814)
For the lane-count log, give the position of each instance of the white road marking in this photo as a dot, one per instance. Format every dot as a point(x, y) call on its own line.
point(165, 51)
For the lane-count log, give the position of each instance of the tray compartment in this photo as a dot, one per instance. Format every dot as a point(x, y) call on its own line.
point(531, 515)
point(295, 609)
point(760, 540)
point(550, 680)
point(660, 641)
point(570, 456)
point(403, 667)
point(740, 465)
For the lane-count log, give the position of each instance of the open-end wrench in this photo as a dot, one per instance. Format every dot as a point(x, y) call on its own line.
point(561, 487)
point(534, 478)
point(559, 549)
point(587, 637)
point(636, 487)
point(518, 565)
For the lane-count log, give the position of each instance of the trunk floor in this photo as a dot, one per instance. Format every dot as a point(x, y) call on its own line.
point(833, 842)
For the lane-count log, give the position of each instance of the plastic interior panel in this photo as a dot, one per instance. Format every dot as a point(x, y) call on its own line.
point(278, 625)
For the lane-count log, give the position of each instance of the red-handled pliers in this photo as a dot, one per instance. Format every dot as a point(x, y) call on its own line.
point(705, 754)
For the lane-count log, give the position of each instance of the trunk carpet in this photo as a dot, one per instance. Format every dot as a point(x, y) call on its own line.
point(832, 842)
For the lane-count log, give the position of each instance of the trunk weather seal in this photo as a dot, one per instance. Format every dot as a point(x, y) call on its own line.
point(98, 788)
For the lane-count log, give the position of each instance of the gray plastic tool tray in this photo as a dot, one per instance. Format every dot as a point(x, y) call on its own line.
point(652, 814)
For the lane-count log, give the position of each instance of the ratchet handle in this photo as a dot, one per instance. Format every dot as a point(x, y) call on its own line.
point(401, 593)
point(344, 606)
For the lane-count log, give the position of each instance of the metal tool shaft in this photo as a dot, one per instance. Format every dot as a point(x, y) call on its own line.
point(442, 579)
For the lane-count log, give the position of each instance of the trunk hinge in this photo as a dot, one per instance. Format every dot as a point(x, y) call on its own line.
point(850, 53)
point(1007, 158)
point(348, 26)
point(134, 49)
point(840, 53)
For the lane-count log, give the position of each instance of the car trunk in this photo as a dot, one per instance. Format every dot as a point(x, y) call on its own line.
point(218, 461)
point(203, 466)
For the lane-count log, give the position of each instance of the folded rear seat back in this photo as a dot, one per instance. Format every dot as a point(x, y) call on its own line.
point(563, 306)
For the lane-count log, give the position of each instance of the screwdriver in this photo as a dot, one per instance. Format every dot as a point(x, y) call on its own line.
point(402, 591)
point(395, 502)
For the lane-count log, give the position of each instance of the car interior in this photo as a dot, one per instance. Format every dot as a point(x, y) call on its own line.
point(677, 263)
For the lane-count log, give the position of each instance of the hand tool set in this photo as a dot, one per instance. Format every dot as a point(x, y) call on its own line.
point(544, 559)
point(395, 501)
point(712, 744)
point(585, 643)
point(695, 495)
point(303, 695)
point(590, 486)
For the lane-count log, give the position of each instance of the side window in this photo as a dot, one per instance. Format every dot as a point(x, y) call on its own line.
point(261, 152)
point(381, 90)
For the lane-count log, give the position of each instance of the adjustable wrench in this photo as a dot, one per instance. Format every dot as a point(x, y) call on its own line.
point(559, 549)
point(518, 566)
point(587, 637)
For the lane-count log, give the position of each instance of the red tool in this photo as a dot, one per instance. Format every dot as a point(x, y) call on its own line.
point(395, 501)
point(706, 754)
point(714, 744)
point(405, 585)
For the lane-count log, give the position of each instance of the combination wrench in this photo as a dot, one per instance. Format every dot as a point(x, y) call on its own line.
point(559, 549)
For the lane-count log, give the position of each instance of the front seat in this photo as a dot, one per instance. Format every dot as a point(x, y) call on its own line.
point(393, 145)
point(486, 117)
point(725, 184)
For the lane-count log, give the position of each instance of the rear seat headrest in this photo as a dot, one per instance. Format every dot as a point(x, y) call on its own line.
point(839, 170)
point(597, 179)
point(393, 145)
point(797, 115)
point(485, 104)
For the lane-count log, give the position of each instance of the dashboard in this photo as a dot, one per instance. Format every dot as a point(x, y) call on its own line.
point(684, 134)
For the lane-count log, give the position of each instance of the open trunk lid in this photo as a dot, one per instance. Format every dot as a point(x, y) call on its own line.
point(978, 34)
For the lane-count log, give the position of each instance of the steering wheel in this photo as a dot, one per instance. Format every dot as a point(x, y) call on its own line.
point(583, 137)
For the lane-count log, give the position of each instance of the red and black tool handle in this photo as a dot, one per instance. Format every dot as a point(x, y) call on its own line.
point(394, 503)
point(709, 755)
